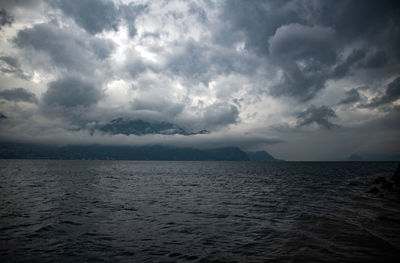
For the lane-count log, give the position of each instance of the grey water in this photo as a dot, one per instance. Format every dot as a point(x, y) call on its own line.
point(128, 211)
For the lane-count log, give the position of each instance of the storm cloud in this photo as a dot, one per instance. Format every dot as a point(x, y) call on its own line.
point(391, 94)
point(305, 54)
point(351, 96)
point(11, 65)
point(67, 49)
point(344, 68)
point(92, 15)
point(71, 92)
point(318, 115)
point(307, 39)
point(18, 94)
point(262, 75)
point(5, 18)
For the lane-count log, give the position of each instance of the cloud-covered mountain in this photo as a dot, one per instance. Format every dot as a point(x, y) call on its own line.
point(140, 127)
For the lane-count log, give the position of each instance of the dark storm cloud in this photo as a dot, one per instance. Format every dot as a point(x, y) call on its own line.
point(11, 61)
point(18, 94)
point(343, 69)
point(318, 115)
point(373, 22)
point(351, 96)
point(227, 67)
point(304, 38)
point(200, 63)
point(392, 93)
point(219, 114)
point(130, 12)
point(305, 54)
point(66, 48)
point(353, 19)
point(391, 120)
point(191, 62)
point(257, 20)
point(19, 3)
point(296, 41)
point(375, 60)
point(92, 15)
point(96, 16)
point(279, 30)
point(71, 92)
point(11, 65)
point(135, 67)
point(229, 62)
point(5, 18)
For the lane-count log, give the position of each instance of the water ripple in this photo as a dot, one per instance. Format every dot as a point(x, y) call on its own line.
point(102, 211)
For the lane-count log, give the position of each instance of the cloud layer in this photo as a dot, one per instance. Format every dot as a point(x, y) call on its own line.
point(263, 75)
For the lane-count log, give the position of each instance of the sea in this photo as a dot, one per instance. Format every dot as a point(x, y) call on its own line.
point(147, 211)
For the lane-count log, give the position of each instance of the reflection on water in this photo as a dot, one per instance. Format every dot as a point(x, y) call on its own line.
point(194, 211)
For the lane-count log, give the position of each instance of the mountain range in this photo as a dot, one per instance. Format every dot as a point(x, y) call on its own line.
point(103, 152)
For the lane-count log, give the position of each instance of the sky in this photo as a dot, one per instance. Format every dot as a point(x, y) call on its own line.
point(303, 80)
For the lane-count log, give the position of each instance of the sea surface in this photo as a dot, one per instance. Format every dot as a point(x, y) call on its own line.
point(128, 211)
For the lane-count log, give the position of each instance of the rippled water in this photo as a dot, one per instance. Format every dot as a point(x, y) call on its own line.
point(69, 211)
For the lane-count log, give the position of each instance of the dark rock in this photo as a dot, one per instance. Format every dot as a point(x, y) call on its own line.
point(387, 185)
point(396, 176)
point(353, 183)
point(379, 180)
point(373, 190)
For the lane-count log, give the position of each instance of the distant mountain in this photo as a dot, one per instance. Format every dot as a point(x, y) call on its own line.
point(101, 152)
point(261, 156)
point(140, 127)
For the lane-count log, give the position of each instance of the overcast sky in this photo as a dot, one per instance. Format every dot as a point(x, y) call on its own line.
point(304, 80)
